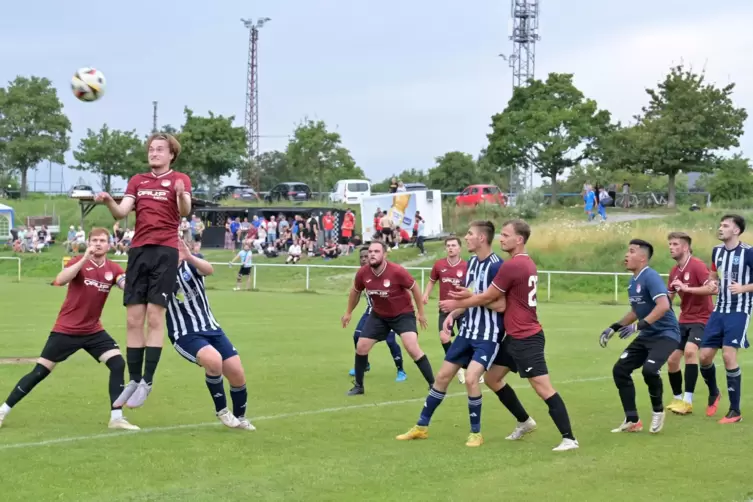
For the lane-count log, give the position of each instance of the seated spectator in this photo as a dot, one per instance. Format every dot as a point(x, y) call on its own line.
point(270, 251)
point(330, 250)
point(294, 253)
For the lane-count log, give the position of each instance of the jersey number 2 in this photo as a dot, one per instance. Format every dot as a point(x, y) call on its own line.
point(533, 281)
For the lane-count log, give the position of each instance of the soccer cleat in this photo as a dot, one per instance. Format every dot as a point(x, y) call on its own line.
point(352, 371)
point(475, 439)
point(522, 429)
point(732, 417)
point(415, 432)
point(2, 417)
point(401, 376)
point(676, 403)
point(682, 408)
point(713, 404)
point(567, 444)
point(356, 390)
point(228, 419)
point(657, 422)
point(139, 396)
point(124, 396)
point(629, 426)
point(243, 423)
point(122, 423)
point(461, 376)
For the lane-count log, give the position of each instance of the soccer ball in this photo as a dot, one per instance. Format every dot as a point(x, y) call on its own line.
point(88, 84)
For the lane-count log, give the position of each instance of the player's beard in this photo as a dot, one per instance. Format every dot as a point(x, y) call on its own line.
point(376, 266)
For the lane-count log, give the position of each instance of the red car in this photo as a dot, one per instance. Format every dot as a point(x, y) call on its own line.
point(480, 194)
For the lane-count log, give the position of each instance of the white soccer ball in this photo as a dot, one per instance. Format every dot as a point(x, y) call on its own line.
point(88, 84)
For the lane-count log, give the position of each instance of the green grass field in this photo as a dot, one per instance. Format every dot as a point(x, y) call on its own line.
point(315, 443)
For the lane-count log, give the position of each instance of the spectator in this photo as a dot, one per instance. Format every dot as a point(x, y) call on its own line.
point(349, 223)
point(282, 224)
point(393, 185)
point(421, 237)
point(261, 239)
point(626, 194)
point(272, 230)
point(71, 238)
point(294, 253)
point(229, 234)
point(401, 187)
point(245, 225)
point(330, 250)
point(416, 219)
point(246, 259)
point(185, 231)
point(80, 240)
point(235, 228)
point(328, 225)
point(197, 230)
point(385, 224)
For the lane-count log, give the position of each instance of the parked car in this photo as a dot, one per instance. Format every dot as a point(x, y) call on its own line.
point(81, 191)
point(414, 187)
point(350, 191)
point(293, 191)
point(480, 194)
point(228, 190)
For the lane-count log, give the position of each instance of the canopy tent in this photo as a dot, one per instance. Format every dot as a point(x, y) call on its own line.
point(6, 222)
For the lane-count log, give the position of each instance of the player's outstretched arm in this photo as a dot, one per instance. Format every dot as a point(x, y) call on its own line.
point(204, 267)
point(489, 296)
point(499, 305)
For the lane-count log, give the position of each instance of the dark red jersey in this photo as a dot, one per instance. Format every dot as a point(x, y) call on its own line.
point(693, 308)
point(518, 278)
point(157, 215)
point(448, 275)
point(86, 297)
point(388, 287)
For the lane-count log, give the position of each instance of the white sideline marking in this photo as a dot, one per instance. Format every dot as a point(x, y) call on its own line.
point(91, 437)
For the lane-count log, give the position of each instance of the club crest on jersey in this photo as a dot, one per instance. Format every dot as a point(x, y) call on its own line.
point(386, 283)
point(736, 260)
point(687, 276)
point(108, 276)
point(165, 183)
point(637, 288)
point(460, 273)
point(186, 276)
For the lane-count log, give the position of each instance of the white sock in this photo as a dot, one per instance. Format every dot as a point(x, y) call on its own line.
point(679, 398)
point(116, 414)
point(689, 397)
point(4, 408)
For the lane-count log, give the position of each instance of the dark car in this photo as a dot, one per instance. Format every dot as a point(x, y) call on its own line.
point(231, 191)
point(292, 191)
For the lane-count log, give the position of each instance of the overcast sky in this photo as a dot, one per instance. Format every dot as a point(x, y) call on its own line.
point(402, 81)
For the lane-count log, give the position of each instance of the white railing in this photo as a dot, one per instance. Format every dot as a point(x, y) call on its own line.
point(17, 259)
point(423, 271)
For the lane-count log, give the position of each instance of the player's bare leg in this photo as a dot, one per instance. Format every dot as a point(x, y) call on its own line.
point(495, 381)
point(557, 410)
point(236, 377)
point(437, 393)
point(708, 373)
point(211, 360)
point(362, 361)
point(113, 359)
point(734, 385)
point(674, 374)
point(135, 348)
point(155, 333)
point(410, 343)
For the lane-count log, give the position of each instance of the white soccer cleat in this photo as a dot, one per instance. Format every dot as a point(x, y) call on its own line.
point(122, 423)
point(626, 426)
point(567, 444)
point(243, 423)
point(138, 398)
point(228, 419)
point(124, 396)
point(461, 375)
point(522, 429)
point(657, 422)
point(2, 417)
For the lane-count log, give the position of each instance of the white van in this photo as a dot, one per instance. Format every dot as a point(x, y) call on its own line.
point(350, 191)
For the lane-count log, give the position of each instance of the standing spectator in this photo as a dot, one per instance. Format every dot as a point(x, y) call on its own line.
point(235, 228)
point(246, 258)
point(626, 194)
point(589, 198)
point(416, 219)
point(393, 185)
point(602, 200)
point(69, 241)
point(328, 225)
point(228, 234)
point(245, 225)
point(272, 230)
point(421, 237)
point(401, 187)
point(197, 229)
point(385, 224)
point(80, 239)
point(349, 223)
point(283, 224)
point(312, 225)
point(185, 231)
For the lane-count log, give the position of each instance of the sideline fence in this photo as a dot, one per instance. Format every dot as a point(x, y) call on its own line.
point(14, 258)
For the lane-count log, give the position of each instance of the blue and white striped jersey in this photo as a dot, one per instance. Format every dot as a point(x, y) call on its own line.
point(369, 305)
point(188, 310)
point(480, 323)
point(733, 265)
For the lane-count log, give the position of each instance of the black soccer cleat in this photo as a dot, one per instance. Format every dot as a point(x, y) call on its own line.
point(356, 390)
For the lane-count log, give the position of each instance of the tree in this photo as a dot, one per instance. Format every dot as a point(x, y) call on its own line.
point(550, 125)
point(109, 153)
point(686, 122)
point(274, 168)
point(407, 176)
point(732, 179)
point(454, 171)
point(211, 147)
point(33, 126)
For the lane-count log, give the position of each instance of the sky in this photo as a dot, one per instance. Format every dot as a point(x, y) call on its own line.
point(403, 82)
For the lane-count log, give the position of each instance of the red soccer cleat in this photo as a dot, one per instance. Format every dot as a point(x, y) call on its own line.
point(712, 407)
point(732, 417)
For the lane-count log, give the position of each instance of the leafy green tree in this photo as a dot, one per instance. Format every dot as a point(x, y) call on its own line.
point(271, 168)
point(109, 153)
point(454, 171)
point(316, 156)
point(33, 126)
point(732, 179)
point(685, 124)
point(212, 147)
point(407, 176)
point(548, 124)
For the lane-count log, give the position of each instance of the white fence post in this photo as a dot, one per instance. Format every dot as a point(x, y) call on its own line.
point(548, 286)
point(18, 261)
point(255, 267)
point(422, 280)
point(616, 287)
point(308, 277)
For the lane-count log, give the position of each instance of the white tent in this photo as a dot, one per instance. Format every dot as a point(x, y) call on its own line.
point(6, 222)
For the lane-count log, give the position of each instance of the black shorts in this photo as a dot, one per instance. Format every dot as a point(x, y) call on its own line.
point(443, 317)
point(691, 332)
point(197, 237)
point(60, 347)
point(344, 240)
point(503, 357)
point(651, 352)
point(244, 271)
point(151, 275)
point(387, 232)
point(527, 354)
point(377, 328)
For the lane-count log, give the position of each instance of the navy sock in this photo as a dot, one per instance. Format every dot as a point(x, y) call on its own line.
point(397, 353)
point(433, 400)
point(474, 413)
point(217, 391)
point(150, 363)
point(709, 376)
point(734, 385)
point(239, 396)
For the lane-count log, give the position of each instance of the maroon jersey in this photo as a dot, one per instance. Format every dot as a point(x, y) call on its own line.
point(693, 308)
point(448, 275)
point(86, 297)
point(387, 287)
point(517, 278)
point(157, 216)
